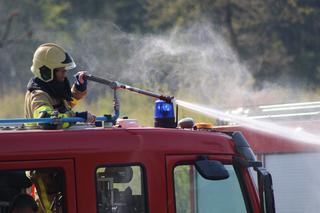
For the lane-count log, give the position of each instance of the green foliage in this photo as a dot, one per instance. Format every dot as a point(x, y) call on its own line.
point(52, 12)
point(274, 37)
point(164, 14)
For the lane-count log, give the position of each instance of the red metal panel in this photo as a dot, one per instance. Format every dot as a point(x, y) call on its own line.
point(262, 142)
point(47, 144)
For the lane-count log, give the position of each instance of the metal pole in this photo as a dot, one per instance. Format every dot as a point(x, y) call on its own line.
point(116, 106)
point(104, 81)
point(144, 92)
point(118, 85)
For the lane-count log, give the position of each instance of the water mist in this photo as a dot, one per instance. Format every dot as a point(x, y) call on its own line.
point(263, 126)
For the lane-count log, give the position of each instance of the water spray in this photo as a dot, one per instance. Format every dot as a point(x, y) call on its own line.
point(262, 126)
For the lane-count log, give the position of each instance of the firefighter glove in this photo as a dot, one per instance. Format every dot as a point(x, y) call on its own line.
point(81, 82)
point(87, 116)
point(83, 115)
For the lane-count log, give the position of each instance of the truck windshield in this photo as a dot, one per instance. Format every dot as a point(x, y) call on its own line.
point(194, 194)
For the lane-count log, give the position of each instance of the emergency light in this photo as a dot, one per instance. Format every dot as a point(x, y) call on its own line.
point(164, 114)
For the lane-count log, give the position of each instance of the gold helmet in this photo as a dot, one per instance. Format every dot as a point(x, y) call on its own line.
point(48, 57)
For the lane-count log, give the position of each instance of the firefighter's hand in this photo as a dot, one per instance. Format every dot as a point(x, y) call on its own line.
point(81, 81)
point(87, 116)
point(81, 76)
point(91, 118)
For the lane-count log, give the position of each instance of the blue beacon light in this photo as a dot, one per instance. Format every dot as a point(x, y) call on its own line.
point(164, 114)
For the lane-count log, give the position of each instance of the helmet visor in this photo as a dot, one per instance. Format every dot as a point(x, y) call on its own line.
point(68, 62)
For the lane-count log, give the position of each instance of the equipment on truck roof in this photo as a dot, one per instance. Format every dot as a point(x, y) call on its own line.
point(163, 114)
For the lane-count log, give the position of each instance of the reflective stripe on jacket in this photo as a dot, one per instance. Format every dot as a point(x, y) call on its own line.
point(39, 101)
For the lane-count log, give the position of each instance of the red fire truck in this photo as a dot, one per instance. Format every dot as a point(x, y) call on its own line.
point(137, 170)
point(127, 168)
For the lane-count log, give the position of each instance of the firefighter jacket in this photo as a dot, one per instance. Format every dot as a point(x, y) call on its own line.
point(38, 101)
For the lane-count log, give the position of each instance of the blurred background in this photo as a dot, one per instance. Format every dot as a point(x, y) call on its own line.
point(226, 54)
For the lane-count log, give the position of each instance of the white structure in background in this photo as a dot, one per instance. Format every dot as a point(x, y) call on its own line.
point(293, 165)
point(296, 181)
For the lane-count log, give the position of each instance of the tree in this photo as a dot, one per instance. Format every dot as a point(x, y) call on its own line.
point(275, 38)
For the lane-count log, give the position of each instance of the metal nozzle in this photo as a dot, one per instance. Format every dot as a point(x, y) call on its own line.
point(118, 85)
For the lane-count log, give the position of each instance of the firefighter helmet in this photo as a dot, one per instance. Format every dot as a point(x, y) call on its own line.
point(48, 57)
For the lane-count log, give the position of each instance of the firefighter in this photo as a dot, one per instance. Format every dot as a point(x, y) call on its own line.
point(49, 184)
point(49, 93)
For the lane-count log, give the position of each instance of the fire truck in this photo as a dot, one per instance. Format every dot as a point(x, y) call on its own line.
point(117, 166)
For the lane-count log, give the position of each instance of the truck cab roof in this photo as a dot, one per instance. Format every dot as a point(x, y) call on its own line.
point(21, 144)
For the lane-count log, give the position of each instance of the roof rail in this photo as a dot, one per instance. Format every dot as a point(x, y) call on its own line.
point(106, 118)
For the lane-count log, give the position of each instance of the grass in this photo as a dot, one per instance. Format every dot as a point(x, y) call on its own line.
point(12, 105)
